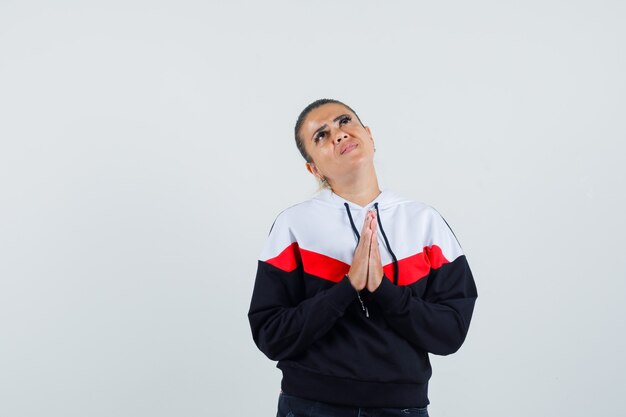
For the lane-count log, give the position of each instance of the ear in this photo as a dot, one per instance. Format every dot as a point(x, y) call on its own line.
point(310, 166)
point(369, 132)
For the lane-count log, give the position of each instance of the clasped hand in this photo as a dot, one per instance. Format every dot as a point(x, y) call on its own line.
point(366, 270)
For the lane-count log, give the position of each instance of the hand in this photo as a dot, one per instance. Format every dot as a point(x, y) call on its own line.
point(375, 267)
point(360, 262)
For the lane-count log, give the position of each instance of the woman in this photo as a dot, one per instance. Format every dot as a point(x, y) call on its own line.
point(350, 313)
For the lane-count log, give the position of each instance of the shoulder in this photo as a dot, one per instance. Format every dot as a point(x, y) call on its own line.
point(282, 239)
point(429, 217)
point(293, 215)
point(427, 223)
point(413, 209)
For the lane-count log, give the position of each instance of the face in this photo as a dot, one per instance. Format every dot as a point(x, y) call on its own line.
point(336, 142)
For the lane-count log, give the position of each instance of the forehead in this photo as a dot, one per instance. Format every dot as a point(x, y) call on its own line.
point(321, 115)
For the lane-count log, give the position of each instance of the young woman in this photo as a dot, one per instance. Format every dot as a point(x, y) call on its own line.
point(356, 286)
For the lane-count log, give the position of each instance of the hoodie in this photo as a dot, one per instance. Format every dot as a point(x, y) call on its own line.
point(368, 349)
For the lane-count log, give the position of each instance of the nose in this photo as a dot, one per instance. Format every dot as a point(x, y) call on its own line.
point(340, 136)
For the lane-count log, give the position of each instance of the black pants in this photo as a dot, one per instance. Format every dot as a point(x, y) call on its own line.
point(290, 406)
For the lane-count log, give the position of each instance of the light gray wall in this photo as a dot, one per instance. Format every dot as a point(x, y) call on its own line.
point(146, 148)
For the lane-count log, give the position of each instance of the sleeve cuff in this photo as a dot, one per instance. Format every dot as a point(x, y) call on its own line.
point(387, 295)
point(340, 296)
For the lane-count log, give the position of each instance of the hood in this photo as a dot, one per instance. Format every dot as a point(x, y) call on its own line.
point(385, 200)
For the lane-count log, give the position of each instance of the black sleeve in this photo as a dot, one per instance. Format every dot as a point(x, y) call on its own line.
point(439, 321)
point(283, 324)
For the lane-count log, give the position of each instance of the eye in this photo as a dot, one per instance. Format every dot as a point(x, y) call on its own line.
point(344, 120)
point(319, 136)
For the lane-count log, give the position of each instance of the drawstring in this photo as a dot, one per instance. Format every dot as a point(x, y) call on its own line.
point(354, 229)
point(396, 268)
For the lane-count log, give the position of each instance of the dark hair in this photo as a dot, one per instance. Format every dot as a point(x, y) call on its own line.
point(305, 113)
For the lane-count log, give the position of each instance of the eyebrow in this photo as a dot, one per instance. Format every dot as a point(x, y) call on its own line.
point(324, 126)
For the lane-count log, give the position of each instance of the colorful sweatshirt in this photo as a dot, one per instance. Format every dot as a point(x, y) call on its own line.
point(360, 349)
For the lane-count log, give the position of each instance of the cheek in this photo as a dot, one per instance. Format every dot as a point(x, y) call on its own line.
point(323, 155)
point(362, 131)
point(312, 149)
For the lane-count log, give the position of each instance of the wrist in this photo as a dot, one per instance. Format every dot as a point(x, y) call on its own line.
point(374, 284)
point(356, 286)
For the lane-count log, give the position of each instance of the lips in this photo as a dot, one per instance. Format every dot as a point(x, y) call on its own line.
point(348, 147)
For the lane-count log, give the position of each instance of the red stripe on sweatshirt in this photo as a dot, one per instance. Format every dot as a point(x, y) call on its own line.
point(415, 267)
point(435, 255)
point(412, 268)
point(288, 259)
point(323, 266)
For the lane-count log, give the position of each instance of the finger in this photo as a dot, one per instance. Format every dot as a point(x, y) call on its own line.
point(367, 227)
point(372, 220)
point(372, 216)
point(374, 252)
point(366, 223)
point(367, 239)
point(374, 224)
point(361, 254)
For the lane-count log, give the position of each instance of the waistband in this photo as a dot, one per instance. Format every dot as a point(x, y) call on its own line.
point(342, 391)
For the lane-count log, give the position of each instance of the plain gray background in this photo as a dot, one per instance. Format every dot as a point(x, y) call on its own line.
point(146, 148)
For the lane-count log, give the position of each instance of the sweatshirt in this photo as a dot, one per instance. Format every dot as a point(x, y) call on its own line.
point(368, 349)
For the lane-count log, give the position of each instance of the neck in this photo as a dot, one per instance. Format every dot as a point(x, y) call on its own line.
point(359, 189)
